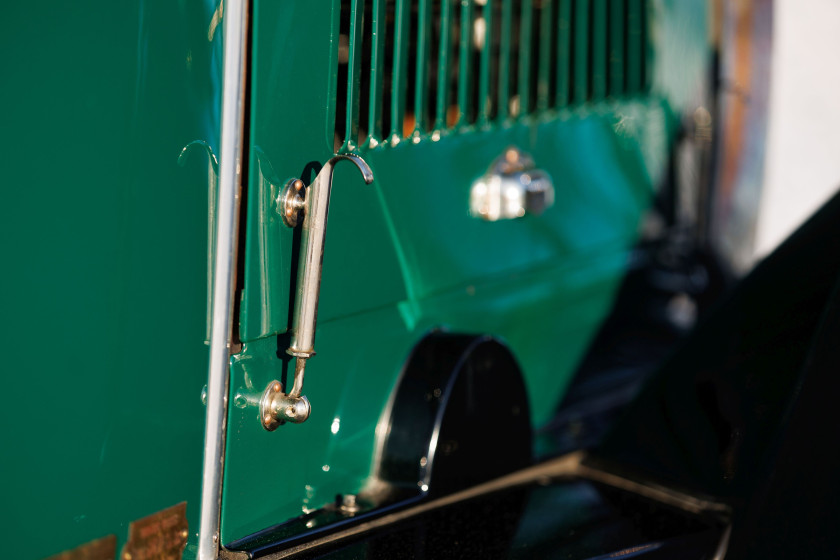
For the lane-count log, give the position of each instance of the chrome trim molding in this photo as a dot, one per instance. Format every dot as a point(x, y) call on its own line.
point(570, 466)
point(230, 175)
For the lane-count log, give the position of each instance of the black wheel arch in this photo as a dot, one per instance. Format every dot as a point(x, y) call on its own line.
point(458, 416)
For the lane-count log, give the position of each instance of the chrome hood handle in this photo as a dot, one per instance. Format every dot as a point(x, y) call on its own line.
point(313, 203)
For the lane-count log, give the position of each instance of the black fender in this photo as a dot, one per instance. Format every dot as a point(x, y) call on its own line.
point(458, 416)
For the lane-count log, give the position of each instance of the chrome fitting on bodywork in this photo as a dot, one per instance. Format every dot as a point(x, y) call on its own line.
point(277, 408)
point(292, 202)
point(511, 188)
point(311, 204)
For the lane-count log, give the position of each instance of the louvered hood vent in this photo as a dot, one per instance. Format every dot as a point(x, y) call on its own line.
point(415, 69)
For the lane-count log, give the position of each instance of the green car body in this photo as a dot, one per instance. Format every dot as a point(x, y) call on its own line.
point(106, 242)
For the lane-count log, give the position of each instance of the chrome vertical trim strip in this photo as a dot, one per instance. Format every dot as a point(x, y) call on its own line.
point(230, 173)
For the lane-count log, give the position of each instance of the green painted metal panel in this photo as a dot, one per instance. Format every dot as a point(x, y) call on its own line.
point(377, 66)
point(105, 241)
point(400, 76)
point(555, 273)
point(546, 38)
point(430, 217)
point(300, 78)
point(444, 57)
point(617, 31)
point(599, 49)
point(292, 112)
point(635, 48)
point(581, 51)
point(505, 60)
point(105, 300)
point(524, 66)
point(465, 79)
point(354, 68)
point(421, 98)
point(343, 384)
point(404, 256)
point(564, 49)
point(484, 79)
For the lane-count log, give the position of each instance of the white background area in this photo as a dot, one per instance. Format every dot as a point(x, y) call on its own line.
point(802, 165)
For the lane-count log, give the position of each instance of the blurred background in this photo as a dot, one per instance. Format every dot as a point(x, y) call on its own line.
point(802, 158)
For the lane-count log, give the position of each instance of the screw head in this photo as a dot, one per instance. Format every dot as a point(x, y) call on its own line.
point(267, 419)
point(298, 185)
point(276, 387)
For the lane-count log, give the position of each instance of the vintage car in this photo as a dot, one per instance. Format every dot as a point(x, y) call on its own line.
point(527, 223)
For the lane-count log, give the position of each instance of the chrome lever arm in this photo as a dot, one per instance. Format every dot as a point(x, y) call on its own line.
point(276, 407)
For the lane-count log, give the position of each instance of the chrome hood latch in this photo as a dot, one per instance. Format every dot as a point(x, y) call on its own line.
point(312, 204)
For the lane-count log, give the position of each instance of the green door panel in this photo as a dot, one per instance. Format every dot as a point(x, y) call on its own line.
point(293, 92)
point(290, 84)
point(404, 256)
point(291, 471)
point(601, 188)
point(271, 477)
point(103, 290)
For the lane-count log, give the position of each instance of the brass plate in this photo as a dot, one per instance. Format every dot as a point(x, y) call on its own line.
point(160, 536)
point(100, 549)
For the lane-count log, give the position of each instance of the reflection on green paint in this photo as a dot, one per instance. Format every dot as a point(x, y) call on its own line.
point(404, 256)
point(105, 245)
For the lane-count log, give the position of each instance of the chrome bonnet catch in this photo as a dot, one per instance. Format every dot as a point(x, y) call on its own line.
point(312, 205)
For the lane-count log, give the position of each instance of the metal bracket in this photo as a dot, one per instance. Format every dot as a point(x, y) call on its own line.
point(277, 408)
point(312, 204)
point(292, 202)
point(511, 188)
